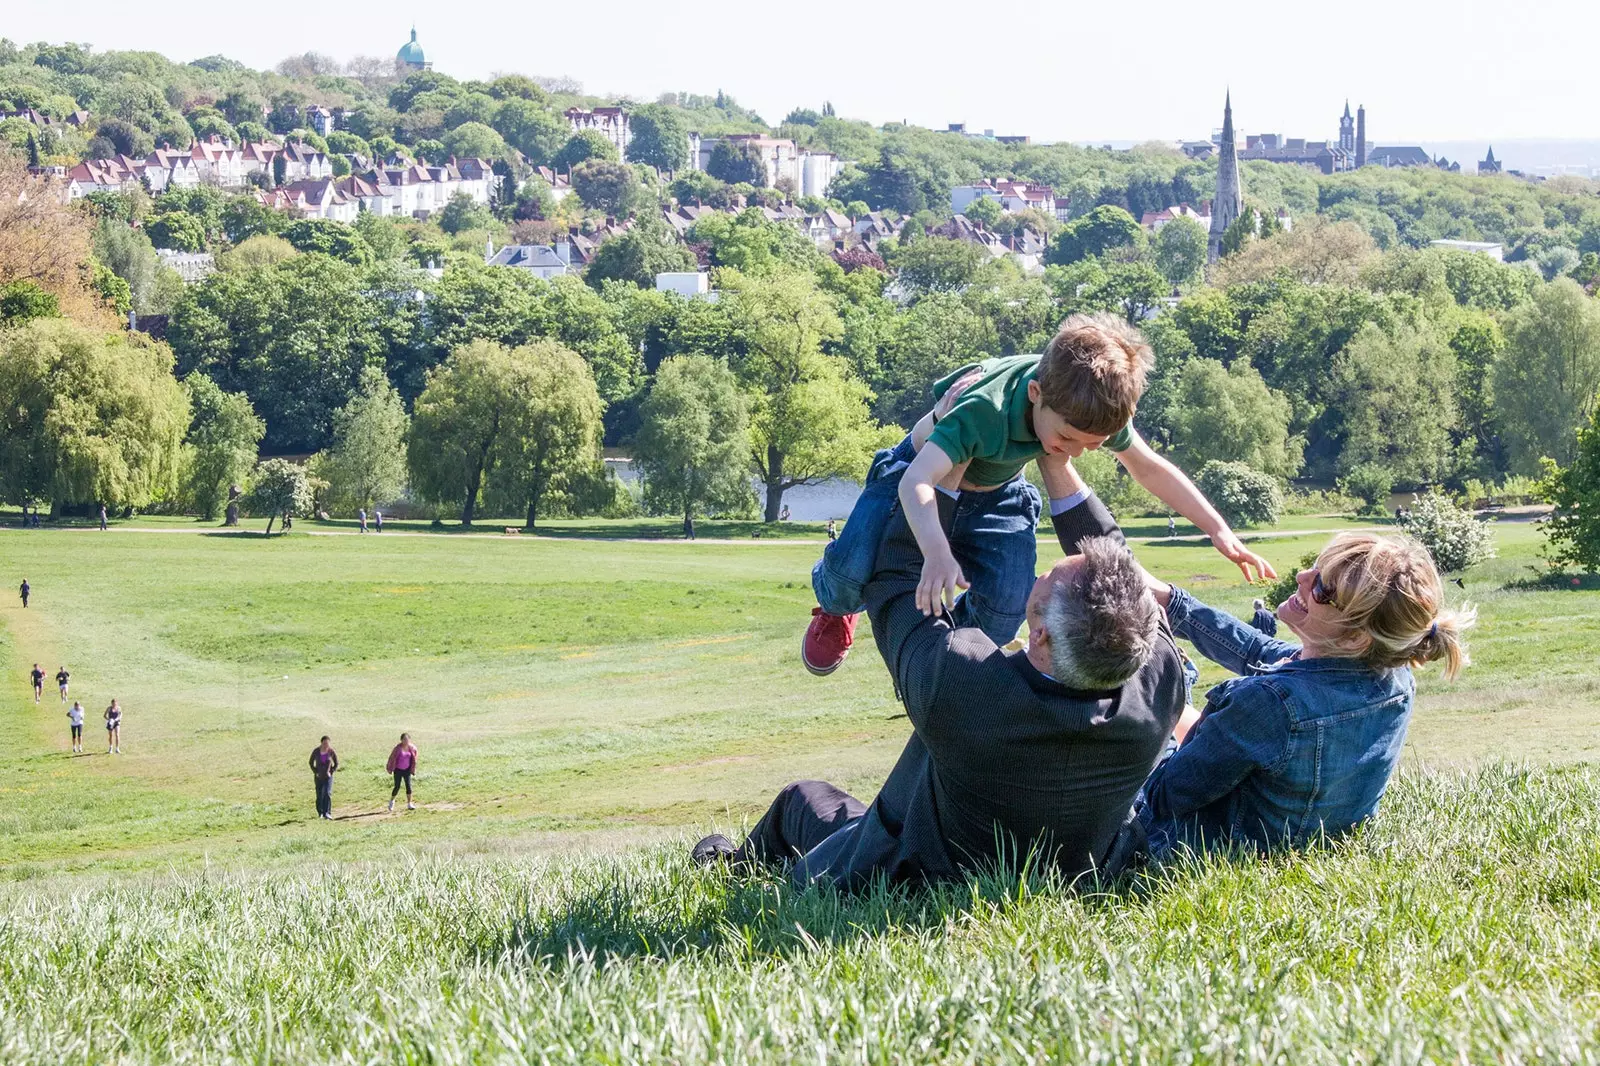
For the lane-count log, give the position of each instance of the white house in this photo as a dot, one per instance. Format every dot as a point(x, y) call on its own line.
point(688, 284)
point(1497, 252)
point(542, 260)
point(301, 162)
point(1155, 220)
point(810, 173)
point(611, 122)
point(321, 198)
point(165, 168)
point(190, 266)
point(1012, 196)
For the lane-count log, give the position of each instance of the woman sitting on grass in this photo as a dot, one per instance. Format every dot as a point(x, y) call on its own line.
point(1302, 744)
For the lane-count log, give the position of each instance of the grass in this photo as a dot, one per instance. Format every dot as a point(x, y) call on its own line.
point(584, 708)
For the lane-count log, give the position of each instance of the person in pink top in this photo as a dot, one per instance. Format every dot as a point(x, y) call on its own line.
point(402, 763)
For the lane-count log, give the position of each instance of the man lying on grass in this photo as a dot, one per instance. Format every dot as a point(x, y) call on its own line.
point(1037, 752)
point(1301, 745)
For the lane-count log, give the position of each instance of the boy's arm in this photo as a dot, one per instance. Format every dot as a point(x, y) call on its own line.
point(941, 574)
point(1173, 488)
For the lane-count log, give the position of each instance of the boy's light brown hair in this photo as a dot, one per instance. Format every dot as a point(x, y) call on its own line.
point(1093, 373)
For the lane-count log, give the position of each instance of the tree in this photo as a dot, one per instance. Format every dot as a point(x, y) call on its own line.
point(1545, 384)
point(809, 418)
point(1454, 538)
point(985, 211)
point(737, 161)
point(1573, 528)
point(659, 137)
point(255, 253)
point(176, 230)
point(1242, 496)
point(1316, 252)
point(329, 238)
point(463, 213)
point(224, 434)
point(551, 436)
point(367, 463)
point(456, 425)
point(1394, 394)
point(1229, 415)
point(583, 146)
point(127, 252)
point(938, 264)
point(609, 187)
point(637, 256)
point(88, 416)
point(532, 129)
point(1181, 250)
point(474, 140)
point(23, 301)
point(693, 446)
point(1104, 230)
point(280, 487)
point(1240, 232)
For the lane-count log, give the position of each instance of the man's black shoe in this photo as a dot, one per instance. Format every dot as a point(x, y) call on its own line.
point(714, 848)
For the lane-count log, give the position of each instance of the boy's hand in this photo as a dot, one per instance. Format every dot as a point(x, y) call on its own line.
point(941, 576)
point(1254, 567)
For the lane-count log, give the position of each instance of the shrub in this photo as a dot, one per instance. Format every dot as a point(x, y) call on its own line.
point(1573, 529)
point(1454, 538)
point(1320, 501)
point(1284, 587)
point(1244, 497)
point(1370, 483)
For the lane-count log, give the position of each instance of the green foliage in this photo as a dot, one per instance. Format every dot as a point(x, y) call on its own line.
point(582, 147)
point(1230, 415)
point(938, 264)
point(1573, 528)
point(737, 161)
point(87, 416)
point(552, 434)
point(660, 137)
point(474, 140)
point(223, 437)
point(609, 187)
point(1180, 250)
point(1546, 384)
point(330, 238)
point(279, 488)
point(23, 301)
point(1107, 230)
point(1396, 393)
point(176, 230)
point(153, 289)
point(985, 211)
point(693, 446)
point(366, 465)
point(1288, 578)
point(463, 213)
point(1242, 496)
point(1371, 483)
point(1454, 538)
point(532, 129)
point(639, 255)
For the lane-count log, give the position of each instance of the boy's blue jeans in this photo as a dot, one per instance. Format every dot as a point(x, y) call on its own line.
point(993, 536)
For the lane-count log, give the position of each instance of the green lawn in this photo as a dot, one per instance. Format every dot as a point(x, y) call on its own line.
point(586, 706)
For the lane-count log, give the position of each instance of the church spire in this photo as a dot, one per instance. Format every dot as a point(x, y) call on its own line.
point(1228, 204)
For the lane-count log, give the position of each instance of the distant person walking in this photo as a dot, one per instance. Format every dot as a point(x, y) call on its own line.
point(324, 763)
point(62, 677)
point(75, 716)
point(783, 515)
point(1264, 622)
point(833, 530)
point(38, 684)
point(377, 516)
point(26, 588)
point(102, 518)
point(688, 526)
point(114, 728)
point(1172, 527)
point(402, 763)
point(362, 514)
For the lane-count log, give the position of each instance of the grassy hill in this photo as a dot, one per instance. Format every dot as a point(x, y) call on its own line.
point(585, 708)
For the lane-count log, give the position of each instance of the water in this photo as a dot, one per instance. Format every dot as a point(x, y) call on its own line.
point(833, 498)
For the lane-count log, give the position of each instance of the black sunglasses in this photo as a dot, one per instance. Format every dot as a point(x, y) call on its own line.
point(1320, 592)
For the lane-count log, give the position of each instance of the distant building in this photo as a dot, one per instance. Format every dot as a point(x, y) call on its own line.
point(410, 57)
point(1012, 196)
point(1228, 204)
point(1410, 155)
point(809, 173)
point(190, 266)
point(1494, 251)
point(1489, 164)
point(610, 122)
point(1155, 220)
point(688, 284)
point(541, 260)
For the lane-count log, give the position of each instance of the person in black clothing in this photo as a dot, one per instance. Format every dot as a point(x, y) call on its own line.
point(324, 764)
point(1037, 752)
point(62, 677)
point(377, 517)
point(102, 518)
point(26, 588)
point(688, 526)
point(1264, 621)
point(38, 684)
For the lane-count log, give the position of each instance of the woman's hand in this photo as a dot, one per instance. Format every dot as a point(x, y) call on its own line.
point(941, 576)
point(1253, 566)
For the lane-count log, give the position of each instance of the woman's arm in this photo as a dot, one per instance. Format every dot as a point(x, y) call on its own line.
point(1243, 729)
point(1216, 634)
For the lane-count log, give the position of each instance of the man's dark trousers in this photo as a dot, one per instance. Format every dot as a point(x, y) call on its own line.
point(804, 815)
point(325, 795)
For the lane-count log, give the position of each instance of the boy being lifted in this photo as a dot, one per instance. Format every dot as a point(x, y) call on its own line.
point(1078, 396)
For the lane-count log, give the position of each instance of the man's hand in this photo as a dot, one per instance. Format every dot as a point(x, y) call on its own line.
point(1253, 566)
point(941, 576)
point(953, 393)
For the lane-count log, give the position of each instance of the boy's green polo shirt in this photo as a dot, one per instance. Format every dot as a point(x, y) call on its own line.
point(989, 424)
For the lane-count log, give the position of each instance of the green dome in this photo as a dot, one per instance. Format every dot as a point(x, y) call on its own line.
point(411, 51)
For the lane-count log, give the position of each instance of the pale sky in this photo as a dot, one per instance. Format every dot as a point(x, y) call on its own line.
point(1464, 69)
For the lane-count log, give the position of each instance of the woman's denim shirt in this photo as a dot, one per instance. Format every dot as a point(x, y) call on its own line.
point(1292, 749)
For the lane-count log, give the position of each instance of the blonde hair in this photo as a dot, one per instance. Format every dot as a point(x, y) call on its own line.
point(1391, 603)
point(1093, 372)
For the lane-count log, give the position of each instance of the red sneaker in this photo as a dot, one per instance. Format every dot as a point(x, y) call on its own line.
point(828, 640)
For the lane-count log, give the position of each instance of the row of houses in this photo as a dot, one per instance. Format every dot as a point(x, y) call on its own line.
point(1012, 196)
point(212, 161)
point(408, 190)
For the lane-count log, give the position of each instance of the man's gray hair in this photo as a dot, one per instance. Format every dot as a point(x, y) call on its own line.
point(1102, 621)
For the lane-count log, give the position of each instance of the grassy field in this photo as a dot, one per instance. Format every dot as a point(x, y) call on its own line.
point(585, 706)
